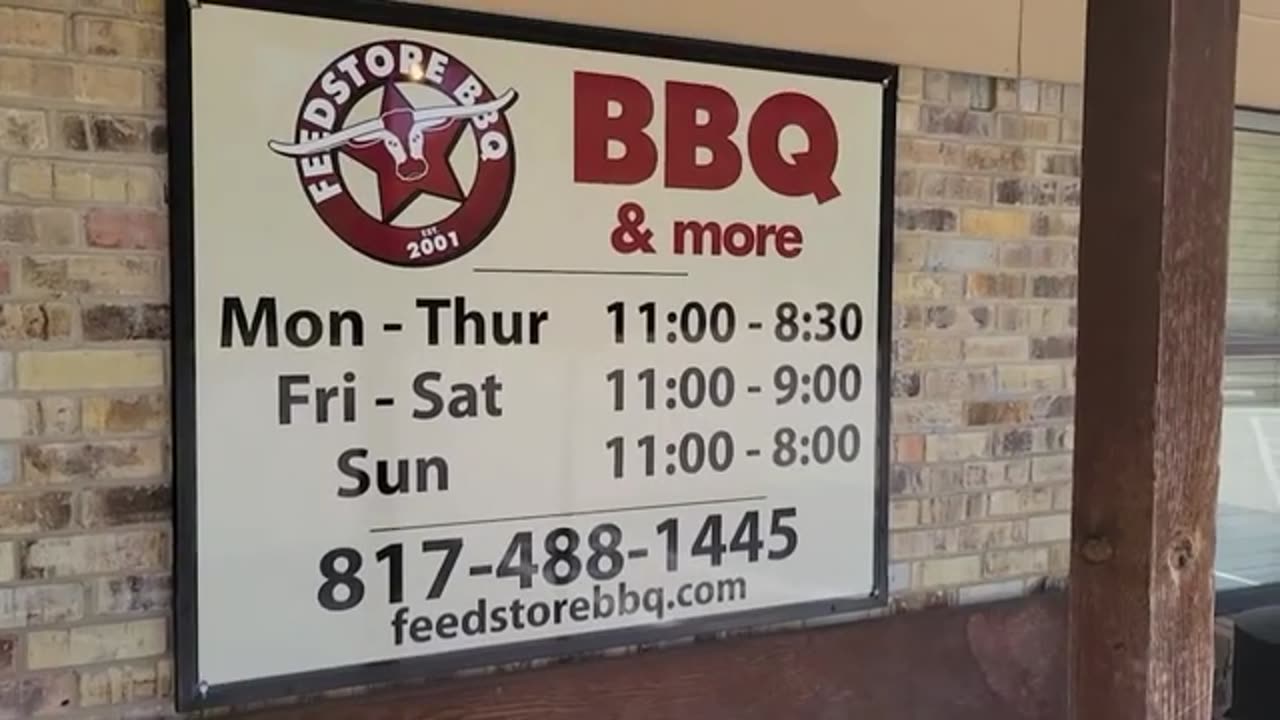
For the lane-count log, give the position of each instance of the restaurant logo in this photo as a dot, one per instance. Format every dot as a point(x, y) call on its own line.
point(409, 145)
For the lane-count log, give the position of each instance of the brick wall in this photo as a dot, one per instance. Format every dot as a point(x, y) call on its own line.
point(84, 499)
point(988, 187)
point(984, 321)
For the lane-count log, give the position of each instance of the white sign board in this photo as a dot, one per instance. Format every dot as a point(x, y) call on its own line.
point(493, 333)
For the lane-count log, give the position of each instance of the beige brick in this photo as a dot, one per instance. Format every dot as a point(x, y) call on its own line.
point(988, 349)
point(908, 415)
point(927, 350)
point(930, 153)
point(1006, 94)
point(1020, 501)
point(1028, 95)
point(1022, 561)
point(1021, 440)
point(13, 418)
point(56, 557)
point(938, 120)
point(31, 179)
point(906, 183)
point(52, 416)
point(31, 29)
point(995, 285)
point(34, 78)
point(910, 83)
point(909, 252)
point(1001, 158)
point(1072, 131)
point(997, 412)
point(942, 479)
point(1049, 528)
point(43, 695)
point(1051, 469)
point(153, 90)
point(109, 85)
point(1029, 128)
point(40, 605)
point(35, 322)
point(51, 227)
point(1062, 497)
point(125, 684)
point(93, 274)
point(950, 318)
point(927, 286)
point(956, 188)
point(95, 643)
point(924, 219)
point(101, 460)
point(125, 414)
point(951, 509)
point(937, 86)
point(109, 37)
point(904, 513)
point(1030, 378)
point(996, 474)
point(987, 536)
point(133, 594)
point(908, 118)
point(23, 513)
point(916, 545)
point(1062, 347)
point(947, 571)
point(98, 184)
point(1060, 559)
point(23, 130)
point(9, 660)
point(90, 369)
point(1034, 319)
point(959, 446)
point(995, 223)
point(1050, 97)
point(955, 383)
point(1056, 224)
point(8, 562)
point(145, 188)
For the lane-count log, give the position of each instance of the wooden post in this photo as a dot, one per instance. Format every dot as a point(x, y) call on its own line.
point(1159, 95)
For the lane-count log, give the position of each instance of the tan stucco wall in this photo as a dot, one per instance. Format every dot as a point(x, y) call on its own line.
point(1040, 39)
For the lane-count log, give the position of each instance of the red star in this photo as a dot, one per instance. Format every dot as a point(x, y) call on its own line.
point(398, 187)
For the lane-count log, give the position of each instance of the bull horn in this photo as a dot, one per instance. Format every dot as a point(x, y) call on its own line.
point(441, 114)
point(329, 142)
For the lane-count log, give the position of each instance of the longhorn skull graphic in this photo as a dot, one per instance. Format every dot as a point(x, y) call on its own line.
point(401, 132)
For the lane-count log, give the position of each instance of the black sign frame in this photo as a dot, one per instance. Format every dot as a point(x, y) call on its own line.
point(191, 692)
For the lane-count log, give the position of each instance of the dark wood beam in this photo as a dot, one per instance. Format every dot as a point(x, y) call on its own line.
point(1159, 95)
point(1005, 661)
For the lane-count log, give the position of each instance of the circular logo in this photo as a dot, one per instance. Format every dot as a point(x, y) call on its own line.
point(430, 104)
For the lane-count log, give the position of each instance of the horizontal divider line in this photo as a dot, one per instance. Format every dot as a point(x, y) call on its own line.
point(545, 516)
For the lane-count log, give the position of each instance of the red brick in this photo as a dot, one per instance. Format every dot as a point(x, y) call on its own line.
point(126, 228)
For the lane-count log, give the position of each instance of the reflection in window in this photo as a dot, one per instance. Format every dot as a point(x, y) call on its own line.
point(1249, 491)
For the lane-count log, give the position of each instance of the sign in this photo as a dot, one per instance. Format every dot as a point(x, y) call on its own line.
point(499, 339)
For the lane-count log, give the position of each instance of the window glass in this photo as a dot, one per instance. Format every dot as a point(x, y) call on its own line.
point(1249, 489)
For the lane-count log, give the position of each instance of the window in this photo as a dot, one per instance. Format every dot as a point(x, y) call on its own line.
point(1247, 566)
